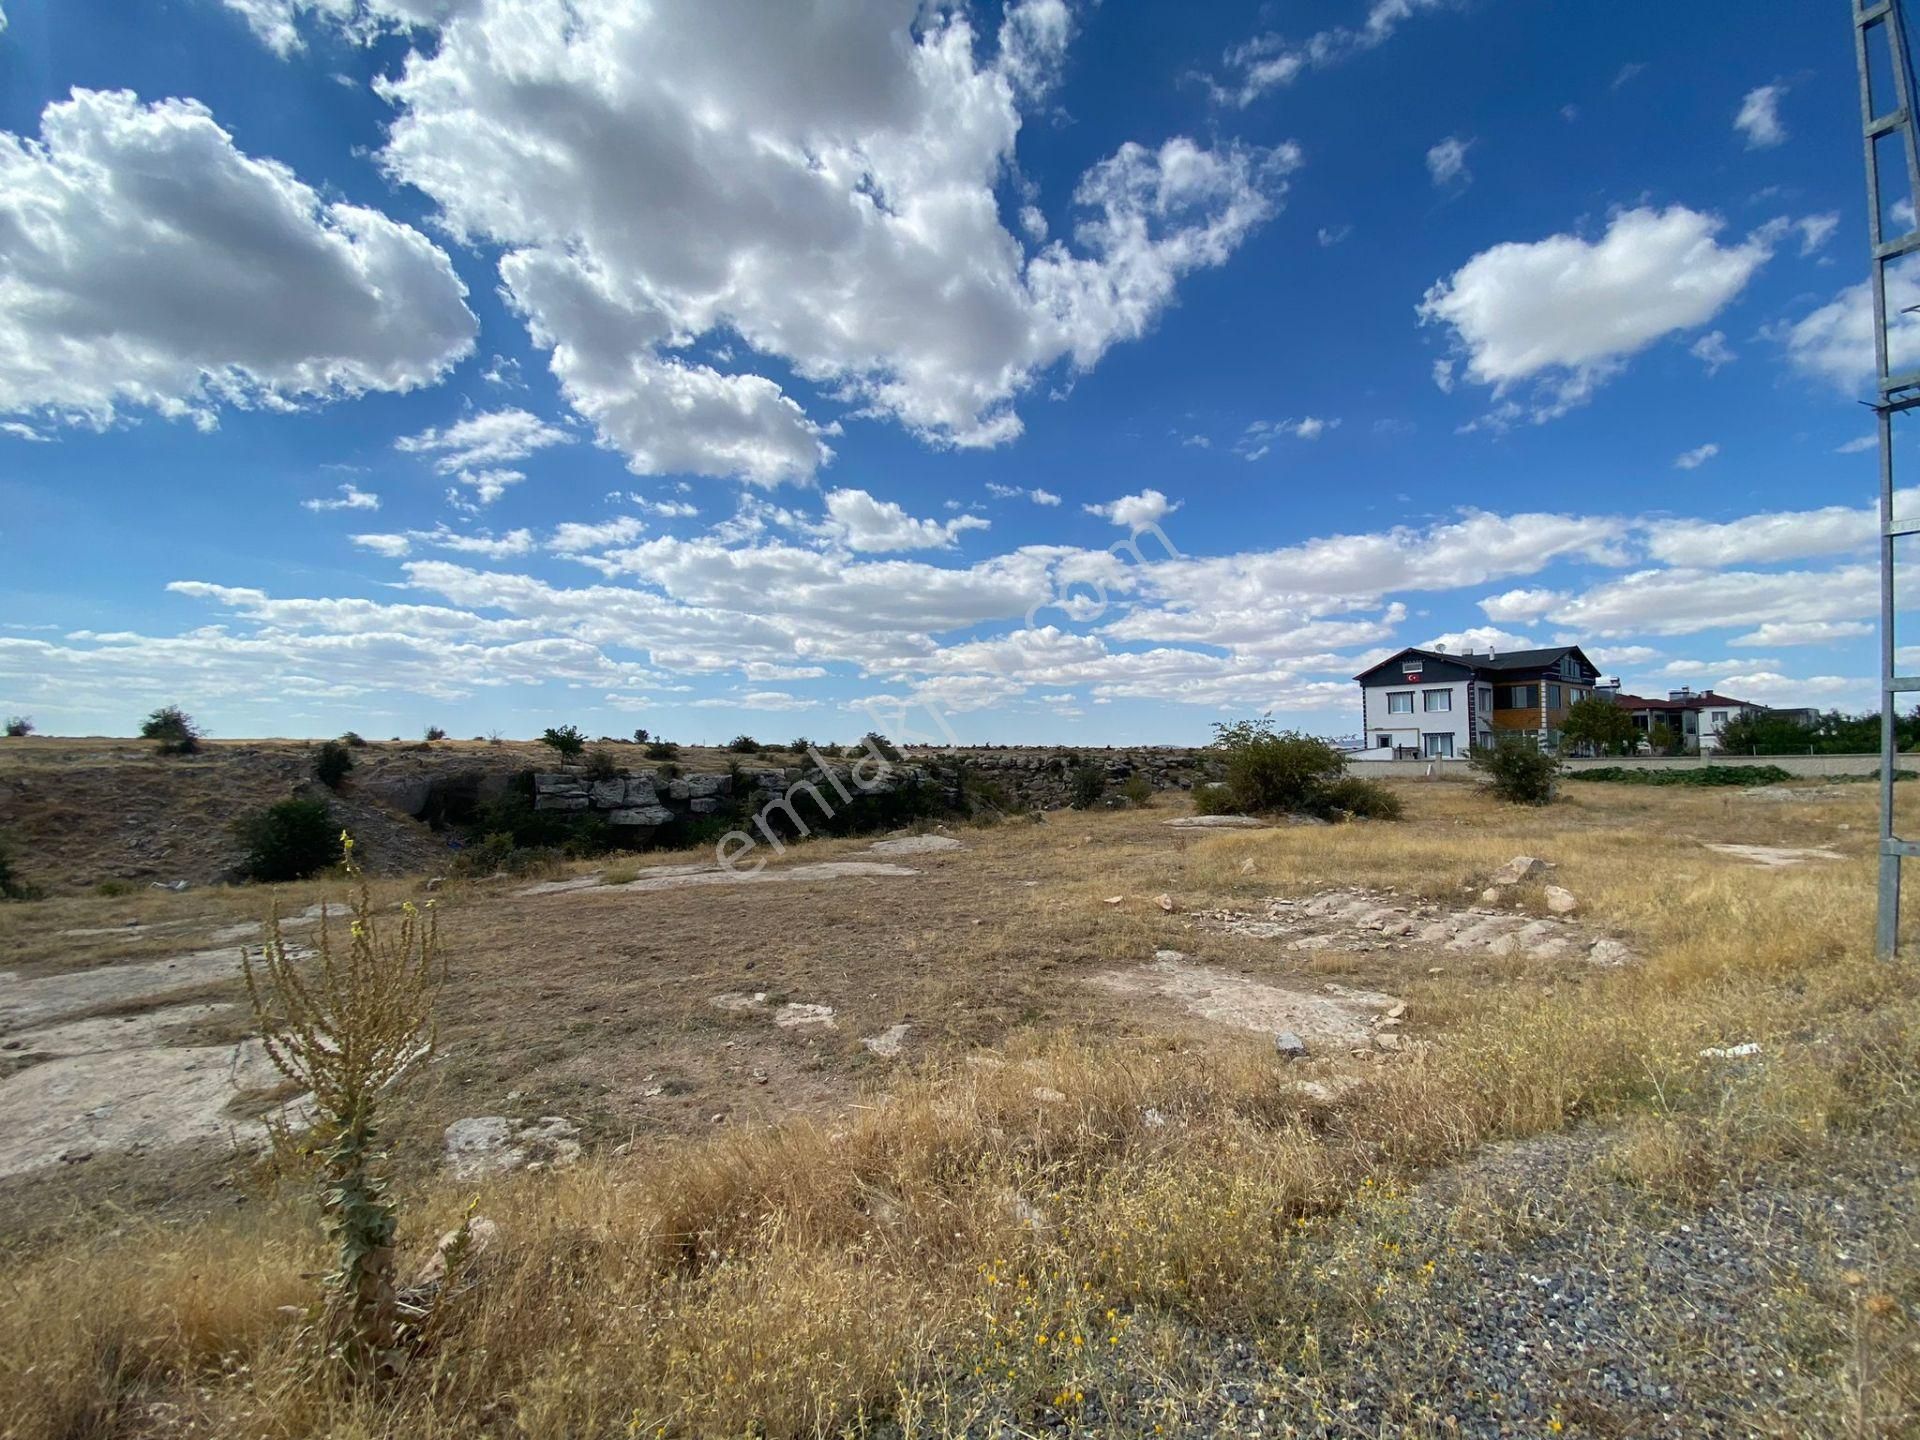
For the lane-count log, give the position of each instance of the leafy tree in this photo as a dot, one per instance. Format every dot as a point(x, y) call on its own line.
point(289, 841)
point(641, 736)
point(1268, 771)
point(662, 750)
point(434, 732)
point(1518, 770)
point(1599, 723)
point(744, 745)
point(353, 738)
point(566, 739)
point(874, 741)
point(800, 746)
point(174, 729)
point(332, 764)
point(1663, 739)
point(19, 725)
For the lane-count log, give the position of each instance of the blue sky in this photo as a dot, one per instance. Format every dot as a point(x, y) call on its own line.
point(503, 363)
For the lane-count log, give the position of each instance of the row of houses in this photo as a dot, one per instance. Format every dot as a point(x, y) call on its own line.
point(1436, 705)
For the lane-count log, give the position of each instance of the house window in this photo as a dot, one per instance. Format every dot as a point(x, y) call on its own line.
point(1553, 697)
point(1437, 699)
point(1519, 697)
point(1399, 702)
point(1383, 742)
point(1437, 747)
point(1486, 697)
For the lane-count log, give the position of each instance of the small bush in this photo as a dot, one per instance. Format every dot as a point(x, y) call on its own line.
point(566, 739)
point(641, 736)
point(1213, 798)
point(744, 745)
point(1363, 798)
point(113, 889)
point(174, 729)
point(1138, 790)
point(662, 750)
point(19, 725)
point(354, 739)
point(832, 751)
point(434, 732)
point(880, 745)
point(289, 841)
point(11, 885)
point(800, 746)
point(601, 765)
point(1518, 770)
point(1704, 775)
point(1086, 786)
point(1270, 770)
point(331, 765)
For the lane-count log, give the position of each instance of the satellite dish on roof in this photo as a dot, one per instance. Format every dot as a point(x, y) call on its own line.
point(1441, 648)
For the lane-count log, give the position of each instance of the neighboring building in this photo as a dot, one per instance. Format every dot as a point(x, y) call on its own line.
point(1697, 718)
point(1429, 704)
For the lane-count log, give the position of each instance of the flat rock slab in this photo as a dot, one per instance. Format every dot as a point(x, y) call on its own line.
point(1218, 822)
point(915, 845)
point(889, 1042)
point(1365, 920)
point(1775, 857)
point(494, 1145)
point(47, 998)
point(1332, 1014)
point(793, 1015)
point(110, 1032)
point(69, 1109)
point(684, 877)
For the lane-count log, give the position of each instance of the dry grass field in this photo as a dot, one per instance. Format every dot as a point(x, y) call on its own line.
point(1082, 1198)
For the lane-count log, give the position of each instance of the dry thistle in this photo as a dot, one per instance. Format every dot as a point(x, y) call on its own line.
point(347, 1034)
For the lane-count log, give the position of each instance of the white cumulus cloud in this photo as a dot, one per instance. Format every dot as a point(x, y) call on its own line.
point(1693, 459)
point(1567, 312)
point(1447, 163)
point(861, 522)
point(1758, 118)
point(351, 497)
point(1135, 512)
point(147, 264)
point(818, 182)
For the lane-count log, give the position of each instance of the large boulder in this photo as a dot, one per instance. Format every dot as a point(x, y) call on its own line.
point(406, 793)
point(639, 790)
point(607, 794)
point(647, 815)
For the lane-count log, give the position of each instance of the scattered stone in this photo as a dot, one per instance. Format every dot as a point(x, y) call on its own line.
point(1247, 867)
point(481, 1236)
point(1609, 952)
point(1289, 1046)
point(1560, 900)
point(1492, 895)
point(1168, 957)
point(174, 885)
point(1047, 1095)
point(1519, 868)
point(889, 1042)
point(1731, 1052)
point(1113, 900)
point(1165, 902)
point(1218, 822)
point(795, 1016)
point(1387, 1040)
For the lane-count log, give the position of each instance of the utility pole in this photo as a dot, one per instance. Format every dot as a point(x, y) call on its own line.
point(1887, 120)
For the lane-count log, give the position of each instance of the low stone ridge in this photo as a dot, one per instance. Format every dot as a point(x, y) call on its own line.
point(643, 801)
point(1364, 920)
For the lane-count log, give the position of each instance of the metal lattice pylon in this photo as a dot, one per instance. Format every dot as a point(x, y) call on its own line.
point(1880, 32)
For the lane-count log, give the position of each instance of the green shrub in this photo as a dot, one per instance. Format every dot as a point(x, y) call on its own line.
point(12, 887)
point(1268, 770)
point(566, 739)
point(1703, 775)
point(1363, 798)
point(662, 750)
point(744, 745)
point(833, 751)
point(289, 841)
point(331, 765)
point(1138, 790)
point(19, 725)
point(641, 736)
point(880, 745)
point(353, 738)
point(601, 765)
point(434, 732)
point(800, 746)
point(1518, 770)
point(1213, 798)
point(174, 729)
point(1086, 786)
point(113, 889)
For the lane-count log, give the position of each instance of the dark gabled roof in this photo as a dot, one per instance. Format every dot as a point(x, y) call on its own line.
point(1509, 662)
point(1699, 700)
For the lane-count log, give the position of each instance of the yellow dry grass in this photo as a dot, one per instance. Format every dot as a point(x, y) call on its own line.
point(1006, 1234)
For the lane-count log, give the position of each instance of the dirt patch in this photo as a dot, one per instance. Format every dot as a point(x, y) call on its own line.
point(1367, 920)
point(1775, 857)
point(1328, 1015)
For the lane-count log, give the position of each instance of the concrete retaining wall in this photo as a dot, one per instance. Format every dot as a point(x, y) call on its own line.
point(1808, 765)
